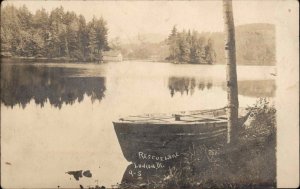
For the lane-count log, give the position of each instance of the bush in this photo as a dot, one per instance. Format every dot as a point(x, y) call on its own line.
point(263, 121)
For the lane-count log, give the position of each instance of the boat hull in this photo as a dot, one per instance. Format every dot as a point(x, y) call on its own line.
point(162, 142)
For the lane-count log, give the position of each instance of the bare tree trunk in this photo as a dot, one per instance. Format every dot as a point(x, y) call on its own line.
point(231, 76)
point(67, 47)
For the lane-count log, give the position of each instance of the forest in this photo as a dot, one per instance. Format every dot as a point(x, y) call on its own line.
point(58, 34)
point(66, 36)
point(255, 45)
point(190, 47)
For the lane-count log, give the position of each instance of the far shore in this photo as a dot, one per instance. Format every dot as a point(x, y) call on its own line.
point(17, 59)
point(42, 59)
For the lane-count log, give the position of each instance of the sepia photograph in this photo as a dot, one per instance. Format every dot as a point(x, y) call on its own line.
point(149, 94)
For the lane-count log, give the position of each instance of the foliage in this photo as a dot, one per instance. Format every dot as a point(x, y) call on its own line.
point(56, 34)
point(255, 45)
point(263, 120)
point(187, 47)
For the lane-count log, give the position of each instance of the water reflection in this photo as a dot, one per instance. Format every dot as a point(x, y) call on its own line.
point(21, 83)
point(187, 85)
point(58, 85)
point(256, 88)
point(250, 88)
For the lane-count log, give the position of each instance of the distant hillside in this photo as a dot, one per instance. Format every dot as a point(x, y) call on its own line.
point(255, 44)
point(143, 47)
point(144, 37)
point(145, 51)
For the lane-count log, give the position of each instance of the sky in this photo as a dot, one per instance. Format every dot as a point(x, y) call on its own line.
point(130, 18)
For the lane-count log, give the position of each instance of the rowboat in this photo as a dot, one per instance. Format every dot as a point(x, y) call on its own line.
point(162, 137)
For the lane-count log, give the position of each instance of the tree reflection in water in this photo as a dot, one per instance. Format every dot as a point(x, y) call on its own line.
point(187, 85)
point(22, 83)
point(250, 88)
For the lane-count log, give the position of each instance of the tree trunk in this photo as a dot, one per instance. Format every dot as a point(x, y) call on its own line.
point(231, 76)
point(67, 47)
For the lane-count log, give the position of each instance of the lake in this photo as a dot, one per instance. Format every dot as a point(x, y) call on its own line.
point(58, 117)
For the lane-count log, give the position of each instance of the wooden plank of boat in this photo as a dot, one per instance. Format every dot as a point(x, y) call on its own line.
point(171, 119)
point(163, 134)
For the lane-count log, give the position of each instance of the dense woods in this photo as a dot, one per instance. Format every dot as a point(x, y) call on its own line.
point(190, 47)
point(255, 45)
point(61, 34)
point(58, 34)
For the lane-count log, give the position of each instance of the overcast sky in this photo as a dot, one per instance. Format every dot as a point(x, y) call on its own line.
point(129, 18)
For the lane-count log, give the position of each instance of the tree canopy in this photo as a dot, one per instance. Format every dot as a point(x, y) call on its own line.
point(190, 47)
point(56, 34)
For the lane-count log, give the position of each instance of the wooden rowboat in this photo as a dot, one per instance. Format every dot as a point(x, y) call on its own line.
point(160, 137)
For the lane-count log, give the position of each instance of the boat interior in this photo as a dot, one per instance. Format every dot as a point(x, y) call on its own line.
point(198, 116)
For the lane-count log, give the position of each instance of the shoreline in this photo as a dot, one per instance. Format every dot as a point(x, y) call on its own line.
point(42, 59)
point(73, 61)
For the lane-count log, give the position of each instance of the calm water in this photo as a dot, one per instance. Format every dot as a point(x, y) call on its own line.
point(58, 117)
